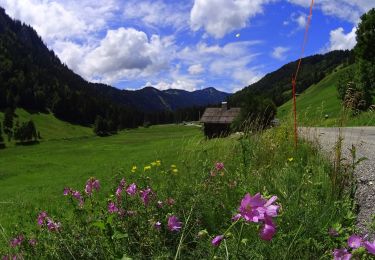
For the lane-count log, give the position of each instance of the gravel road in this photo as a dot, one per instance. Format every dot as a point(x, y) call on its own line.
point(363, 138)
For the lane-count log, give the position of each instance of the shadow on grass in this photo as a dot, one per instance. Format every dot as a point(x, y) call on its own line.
point(27, 143)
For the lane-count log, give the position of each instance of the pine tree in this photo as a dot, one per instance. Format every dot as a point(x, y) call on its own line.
point(2, 144)
point(8, 123)
point(365, 54)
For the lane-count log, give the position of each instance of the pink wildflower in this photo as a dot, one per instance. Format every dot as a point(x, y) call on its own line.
point(132, 189)
point(251, 208)
point(355, 241)
point(236, 217)
point(67, 191)
point(53, 226)
point(77, 195)
point(17, 241)
point(120, 188)
point(146, 196)
point(92, 184)
point(341, 254)
point(112, 207)
point(219, 166)
point(41, 218)
point(32, 242)
point(174, 224)
point(267, 231)
point(157, 225)
point(370, 247)
point(217, 240)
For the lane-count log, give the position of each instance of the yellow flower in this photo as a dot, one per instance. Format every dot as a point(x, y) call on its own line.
point(147, 168)
point(175, 170)
point(290, 159)
point(173, 166)
point(158, 163)
point(134, 168)
point(153, 163)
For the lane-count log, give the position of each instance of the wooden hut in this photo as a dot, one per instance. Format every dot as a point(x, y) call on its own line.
point(217, 121)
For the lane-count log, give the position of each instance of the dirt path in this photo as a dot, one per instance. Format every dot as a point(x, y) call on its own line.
point(363, 138)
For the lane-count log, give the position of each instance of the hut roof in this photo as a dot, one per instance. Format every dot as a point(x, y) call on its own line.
point(220, 115)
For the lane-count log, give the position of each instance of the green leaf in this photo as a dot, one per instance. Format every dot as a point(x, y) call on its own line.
point(99, 224)
point(118, 235)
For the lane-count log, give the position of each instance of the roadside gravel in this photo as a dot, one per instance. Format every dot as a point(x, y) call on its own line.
point(363, 138)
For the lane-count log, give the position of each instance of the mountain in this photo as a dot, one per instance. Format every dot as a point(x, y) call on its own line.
point(33, 78)
point(277, 85)
point(151, 99)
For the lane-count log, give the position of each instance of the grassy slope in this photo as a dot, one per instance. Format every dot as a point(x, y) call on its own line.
point(322, 99)
point(50, 127)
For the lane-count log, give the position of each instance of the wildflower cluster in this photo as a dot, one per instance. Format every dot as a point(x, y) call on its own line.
point(355, 243)
point(45, 221)
point(256, 209)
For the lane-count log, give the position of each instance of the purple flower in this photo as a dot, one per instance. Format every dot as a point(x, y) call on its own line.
point(370, 247)
point(41, 218)
point(251, 208)
point(53, 226)
point(217, 240)
point(67, 191)
point(146, 196)
point(32, 242)
point(120, 188)
point(132, 189)
point(341, 254)
point(236, 217)
point(271, 210)
point(77, 195)
point(219, 166)
point(92, 184)
point(157, 225)
point(112, 207)
point(174, 224)
point(17, 241)
point(267, 231)
point(355, 241)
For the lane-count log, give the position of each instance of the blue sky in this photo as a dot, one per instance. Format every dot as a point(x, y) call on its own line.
point(186, 44)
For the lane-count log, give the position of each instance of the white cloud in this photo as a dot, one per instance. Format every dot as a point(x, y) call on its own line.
point(196, 69)
point(157, 13)
point(127, 53)
point(61, 20)
point(219, 17)
point(279, 52)
point(349, 10)
point(341, 41)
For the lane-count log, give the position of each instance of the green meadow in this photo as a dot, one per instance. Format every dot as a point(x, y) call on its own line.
point(322, 99)
point(32, 179)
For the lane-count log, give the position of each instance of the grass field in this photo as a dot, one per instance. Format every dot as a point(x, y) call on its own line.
point(322, 99)
point(32, 179)
point(49, 126)
point(34, 176)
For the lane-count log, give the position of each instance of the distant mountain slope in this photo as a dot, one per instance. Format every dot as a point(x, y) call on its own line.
point(277, 85)
point(151, 99)
point(322, 99)
point(33, 78)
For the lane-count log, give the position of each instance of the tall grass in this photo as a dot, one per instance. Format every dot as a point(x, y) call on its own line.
point(205, 201)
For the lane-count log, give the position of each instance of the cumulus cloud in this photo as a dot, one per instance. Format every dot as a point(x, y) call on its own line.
point(61, 20)
point(126, 52)
point(341, 41)
point(219, 17)
point(349, 10)
point(196, 69)
point(157, 13)
point(279, 52)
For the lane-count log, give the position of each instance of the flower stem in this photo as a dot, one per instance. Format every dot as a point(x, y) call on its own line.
point(239, 239)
